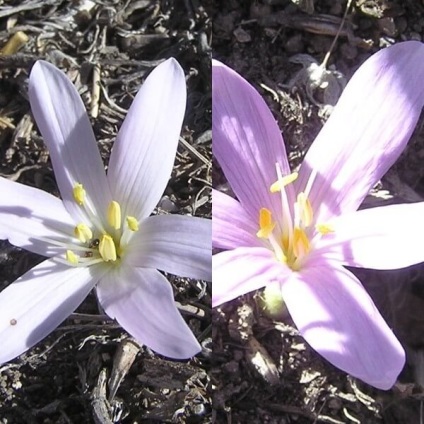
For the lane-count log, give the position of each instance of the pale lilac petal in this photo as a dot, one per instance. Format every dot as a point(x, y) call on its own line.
point(231, 226)
point(339, 320)
point(368, 129)
point(35, 304)
point(387, 237)
point(246, 140)
point(29, 216)
point(63, 122)
point(144, 152)
point(240, 271)
point(141, 300)
point(180, 245)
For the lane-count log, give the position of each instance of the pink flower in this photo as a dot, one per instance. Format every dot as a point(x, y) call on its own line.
point(301, 230)
point(101, 235)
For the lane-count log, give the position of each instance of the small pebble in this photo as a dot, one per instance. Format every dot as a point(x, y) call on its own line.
point(242, 36)
point(294, 44)
point(258, 10)
point(387, 26)
point(167, 204)
point(348, 51)
point(415, 36)
point(401, 24)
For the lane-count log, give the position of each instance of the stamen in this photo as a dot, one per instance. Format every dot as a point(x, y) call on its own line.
point(114, 215)
point(82, 262)
point(107, 248)
point(80, 196)
point(324, 229)
point(83, 233)
point(79, 193)
point(306, 213)
point(266, 226)
point(287, 223)
point(71, 257)
point(283, 181)
point(310, 183)
point(132, 223)
point(59, 243)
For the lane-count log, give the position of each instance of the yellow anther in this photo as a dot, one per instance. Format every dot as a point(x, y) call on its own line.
point(132, 223)
point(305, 209)
point(301, 244)
point(283, 181)
point(71, 257)
point(79, 193)
point(83, 233)
point(266, 226)
point(114, 215)
point(324, 229)
point(107, 248)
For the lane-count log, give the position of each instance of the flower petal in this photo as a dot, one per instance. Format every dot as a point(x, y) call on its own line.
point(339, 320)
point(144, 151)
point(28, 214)
point(177, 244)
point(240, 271)
point(386, 237)
point(231, 226)
point(246, 141)
point(63, 122)
point(36, 303)
point(367, 131)
point(141, 300)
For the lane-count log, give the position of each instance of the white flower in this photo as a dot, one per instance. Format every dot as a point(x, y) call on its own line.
point(100, 234)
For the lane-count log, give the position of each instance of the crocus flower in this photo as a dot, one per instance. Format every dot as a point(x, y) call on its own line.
point(100, 234)
point(299, 230)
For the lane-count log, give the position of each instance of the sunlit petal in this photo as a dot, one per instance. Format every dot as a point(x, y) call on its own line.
point(36, 303)
point(339, 320)
point(63, 122)
point(141, 300)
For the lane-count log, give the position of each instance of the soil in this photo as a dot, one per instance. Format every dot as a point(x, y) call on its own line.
point(263, 371)
point(89, 370)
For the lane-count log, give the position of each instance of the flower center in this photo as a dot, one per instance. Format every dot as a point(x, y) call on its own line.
point(292, 238)
point(98, 241)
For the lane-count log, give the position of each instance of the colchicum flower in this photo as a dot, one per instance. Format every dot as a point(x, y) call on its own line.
point(298, 231)
point(101, 235)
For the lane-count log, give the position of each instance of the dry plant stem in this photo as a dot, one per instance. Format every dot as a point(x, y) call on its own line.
point(327, 56)
point(99, 402)
point(15, 176)
point(89, 317)
point(8, 11)
point(124, 357)
point(192, 150)
point(95, 93)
